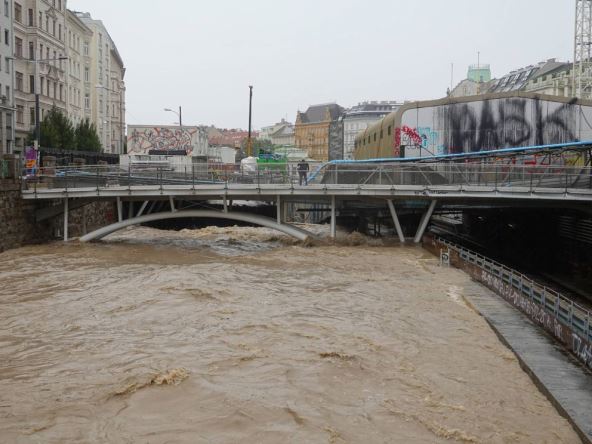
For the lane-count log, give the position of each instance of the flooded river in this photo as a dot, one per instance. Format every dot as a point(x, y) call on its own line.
point(241, 335)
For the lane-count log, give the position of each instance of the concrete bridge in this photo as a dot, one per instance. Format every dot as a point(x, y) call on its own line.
point(338, 186)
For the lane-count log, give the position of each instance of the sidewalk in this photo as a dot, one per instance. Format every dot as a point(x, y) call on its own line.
point(557, 374)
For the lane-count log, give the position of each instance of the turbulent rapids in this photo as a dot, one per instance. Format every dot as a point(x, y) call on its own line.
point(244, 335)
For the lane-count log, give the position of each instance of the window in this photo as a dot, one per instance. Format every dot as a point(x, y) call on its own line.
point(40, 22)
point(86, 101)
point(31, 51)
point(6, 37)
point(6, 65)
point(7, 91)
point(46, 23)
point(30, 22)
point(20, 114)
point(19, 81)
point(375, 137)
point(32, 84)
point(60, 5)
point(18, 12)
point(381, 134)
point(42, 84)
point(55, 90)
point(86, 74)
point(85, 48)
point(32, 116)
point(61, 92)
point(60, 32)
point(389, 130)
point(6, 8)
point(18, 47)
point(53, 28)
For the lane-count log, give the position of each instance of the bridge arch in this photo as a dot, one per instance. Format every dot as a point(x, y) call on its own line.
point(211, 214)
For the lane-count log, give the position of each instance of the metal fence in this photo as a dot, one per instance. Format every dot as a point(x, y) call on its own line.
point(562, 308)
point(444, 176)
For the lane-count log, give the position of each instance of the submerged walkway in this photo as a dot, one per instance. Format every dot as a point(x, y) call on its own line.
point(560, 376)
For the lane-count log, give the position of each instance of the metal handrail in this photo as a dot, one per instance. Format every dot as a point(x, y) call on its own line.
point(562, 308)
point(526, 178)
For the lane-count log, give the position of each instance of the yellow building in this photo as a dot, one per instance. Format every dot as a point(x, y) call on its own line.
point(312, 129)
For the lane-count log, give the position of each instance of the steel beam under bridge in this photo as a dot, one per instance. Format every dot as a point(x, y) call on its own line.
point(211, 214)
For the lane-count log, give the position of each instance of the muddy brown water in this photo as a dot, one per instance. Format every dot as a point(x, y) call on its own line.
point(241, 335)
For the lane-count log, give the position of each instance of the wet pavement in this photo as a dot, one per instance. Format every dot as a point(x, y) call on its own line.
point(559, 375)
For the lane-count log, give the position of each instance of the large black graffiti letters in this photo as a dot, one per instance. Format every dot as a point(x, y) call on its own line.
point(500, 123)
point(488, 136)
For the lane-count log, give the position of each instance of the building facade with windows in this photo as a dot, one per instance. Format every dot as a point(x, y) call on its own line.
point(107, 85)
point(360, 117)
point(40, 65)
point(7, 105)
point(117, 99)
point(311, 132)
point(78, 37)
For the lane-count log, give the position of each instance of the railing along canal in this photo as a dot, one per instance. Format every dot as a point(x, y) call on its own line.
point(567, 320)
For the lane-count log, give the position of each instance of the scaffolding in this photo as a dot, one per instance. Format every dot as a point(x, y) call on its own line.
point(582, 69)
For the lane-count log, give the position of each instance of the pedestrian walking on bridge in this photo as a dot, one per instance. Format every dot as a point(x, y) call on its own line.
point(303, 169)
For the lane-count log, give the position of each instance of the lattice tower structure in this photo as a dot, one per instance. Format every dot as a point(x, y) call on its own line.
point(582, 69)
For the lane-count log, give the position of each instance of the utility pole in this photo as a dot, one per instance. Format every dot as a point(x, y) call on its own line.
point(250, 140)
point(180, 118)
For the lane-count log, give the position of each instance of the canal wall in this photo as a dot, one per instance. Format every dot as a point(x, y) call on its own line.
point(567, 322)
point(19, 227)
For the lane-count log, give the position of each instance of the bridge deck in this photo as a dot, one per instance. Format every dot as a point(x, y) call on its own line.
point(269, 191)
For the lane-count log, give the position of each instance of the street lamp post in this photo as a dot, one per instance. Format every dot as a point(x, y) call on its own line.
point(36, 92)
point(37, 104)
point(180, 114)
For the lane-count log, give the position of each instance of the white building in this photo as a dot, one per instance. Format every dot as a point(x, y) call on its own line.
point(360, 117)
point(78, 36)
point(107, 87)
point(7, 105)
point(39, 44)
point(281, 134)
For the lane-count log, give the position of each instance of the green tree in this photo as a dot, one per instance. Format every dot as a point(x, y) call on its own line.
point(57, 131)
point(87, 138)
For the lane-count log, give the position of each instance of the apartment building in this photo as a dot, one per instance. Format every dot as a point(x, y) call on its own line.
point(39, 53)
point(7, 107)
point(78, 39)
point(107, 86)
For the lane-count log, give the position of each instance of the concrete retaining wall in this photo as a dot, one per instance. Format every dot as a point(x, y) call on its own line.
point(17, 218)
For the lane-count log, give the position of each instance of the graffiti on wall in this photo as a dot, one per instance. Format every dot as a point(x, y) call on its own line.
point(491, 124)
point(142, 140)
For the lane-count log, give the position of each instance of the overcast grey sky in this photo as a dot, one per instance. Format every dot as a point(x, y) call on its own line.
point(203, 54)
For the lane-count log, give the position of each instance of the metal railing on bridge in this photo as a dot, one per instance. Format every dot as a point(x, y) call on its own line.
point(522, 178)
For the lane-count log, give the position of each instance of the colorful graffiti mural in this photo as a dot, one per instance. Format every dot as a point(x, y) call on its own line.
point(144, 139)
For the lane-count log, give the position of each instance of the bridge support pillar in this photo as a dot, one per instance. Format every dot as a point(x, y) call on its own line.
point(142, 208)
point(423, 224)
point(225, 201)
point(396, 221)
point(119, 210)
point(172, 202)
point(66, 219)
point(279, 209)
point(333, 218)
